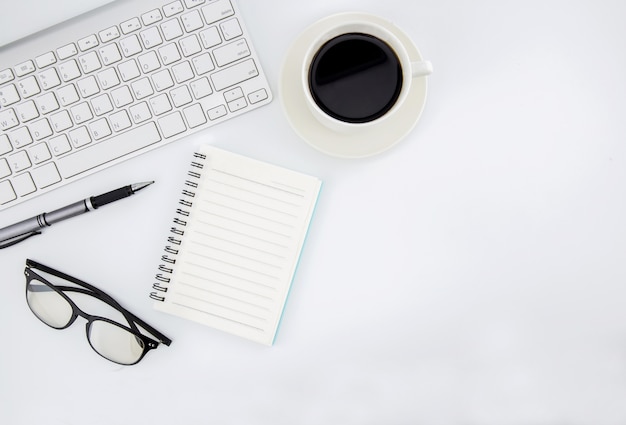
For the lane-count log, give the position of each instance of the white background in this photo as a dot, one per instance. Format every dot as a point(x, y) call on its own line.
point(474, 274)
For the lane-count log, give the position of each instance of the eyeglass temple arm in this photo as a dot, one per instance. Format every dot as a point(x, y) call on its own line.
point(132, 319)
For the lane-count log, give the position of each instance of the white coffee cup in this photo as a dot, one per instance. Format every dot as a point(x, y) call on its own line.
point(411, 69)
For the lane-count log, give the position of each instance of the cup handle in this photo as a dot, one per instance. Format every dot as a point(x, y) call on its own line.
point(421, 68)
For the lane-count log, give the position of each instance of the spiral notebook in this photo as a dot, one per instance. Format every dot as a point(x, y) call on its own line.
point(232, 251)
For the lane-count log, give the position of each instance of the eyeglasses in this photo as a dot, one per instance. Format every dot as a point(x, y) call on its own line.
point(120, 343)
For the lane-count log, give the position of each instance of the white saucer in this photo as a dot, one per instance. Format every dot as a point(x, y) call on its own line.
point(377, 138)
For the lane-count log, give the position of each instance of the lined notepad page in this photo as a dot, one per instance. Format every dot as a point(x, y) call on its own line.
point(242, 240)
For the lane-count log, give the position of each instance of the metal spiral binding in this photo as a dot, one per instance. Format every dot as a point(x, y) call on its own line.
point(186, 202)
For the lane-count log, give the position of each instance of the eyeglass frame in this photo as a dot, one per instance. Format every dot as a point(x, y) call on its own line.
point(134, 322)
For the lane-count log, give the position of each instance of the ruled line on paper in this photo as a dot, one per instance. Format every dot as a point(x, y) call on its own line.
point(226, 307)
point(218, 294)
point(246, 224)
point(250, 247)
point(237, 176)
point(243, 234)
point(220, 317)
point(232, 186)
point(281, 223)
point(226, 285)
point(247, 201)
point(235, 265)
point(243, 279)
point(236, 254)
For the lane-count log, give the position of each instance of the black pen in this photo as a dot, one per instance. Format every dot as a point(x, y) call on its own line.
point(17, 232)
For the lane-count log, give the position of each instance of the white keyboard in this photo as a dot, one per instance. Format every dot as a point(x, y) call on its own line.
point(122, 90)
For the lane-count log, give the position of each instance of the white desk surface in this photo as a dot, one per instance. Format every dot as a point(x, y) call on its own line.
point(474, 274)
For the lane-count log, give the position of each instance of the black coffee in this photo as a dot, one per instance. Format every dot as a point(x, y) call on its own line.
point(355, 78)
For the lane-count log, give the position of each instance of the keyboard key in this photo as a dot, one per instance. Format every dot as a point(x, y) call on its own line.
point(193, 3)
point(128, 70)
point(257, 96)
point(40, 129)
point(109, 34)
point(67, 95)
point(190, 45)
point(6, 75)
point(151, 37)
point(5, 170)
point(120, 121)
point(140, 112)
point(142, 88)
point(160, 104)
point(20, 137)
point(149, 62)
point(235, 74)
point(69, 70)
point(49, 79)
point(27, 111)
point(7, 194)
point(173, 8)
point(108, 78)
point(131, 25)
point(9, 95)
point(171, 29)
point(101, 104)
point(194, 115)
point(100, 129)
point(191, 21)
point(231, 52)
point(203, 64)
point(5, 144)
point(28, 87)
point(180, 96)
point(210, 37)
point(89, 62)
point(8, 119)
point(46, 175)
point(19, 161)
point(130, 45)
point(110, 54)
point(121, 96)
point(116, 147)
point(59, 145)
point(45, 60)
point(81, 113)
point(88, 86)
point(67, 51)
point(61, 121)
point(201, 88)
point(47, 103)
point(182, 72)
point(24, 68)
point(87, 43)
point(233, 94)
point(162, 80)
point(217, 112)
point(169, 54)
point(23, 184)
point(151, 17)
point(172, 124)
point(39, 153)
point(231, 29)
point(217, 10)
point(79, 137)
point(237, 104)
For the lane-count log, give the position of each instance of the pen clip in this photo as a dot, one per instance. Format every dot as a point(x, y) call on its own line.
point(17, 239)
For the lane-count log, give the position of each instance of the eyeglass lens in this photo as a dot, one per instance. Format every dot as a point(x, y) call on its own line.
point(108, 339)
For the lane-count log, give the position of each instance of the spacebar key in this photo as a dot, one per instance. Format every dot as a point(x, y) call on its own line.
point(108, 150)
